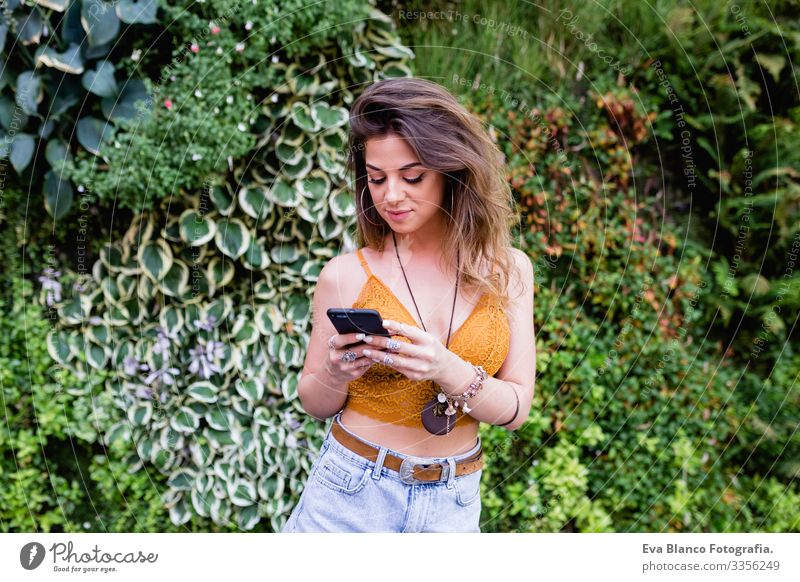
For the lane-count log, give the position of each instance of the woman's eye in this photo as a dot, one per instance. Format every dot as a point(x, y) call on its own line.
point(409, 180)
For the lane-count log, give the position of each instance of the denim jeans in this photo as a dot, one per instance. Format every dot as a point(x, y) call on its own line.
point(346, 492)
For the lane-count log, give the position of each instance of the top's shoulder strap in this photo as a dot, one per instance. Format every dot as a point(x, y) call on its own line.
point(363, 262)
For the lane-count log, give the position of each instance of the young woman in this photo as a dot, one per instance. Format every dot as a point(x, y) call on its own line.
point(403, 452)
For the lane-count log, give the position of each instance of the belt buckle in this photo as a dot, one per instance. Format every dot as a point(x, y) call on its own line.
point(407, 470)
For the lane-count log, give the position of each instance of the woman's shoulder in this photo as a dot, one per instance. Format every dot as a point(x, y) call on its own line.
point(521, 259)
point(522, 272)
point(340, 269)
point(515, 260)
point(515, 252)
point(336, 285)
point(339, 264)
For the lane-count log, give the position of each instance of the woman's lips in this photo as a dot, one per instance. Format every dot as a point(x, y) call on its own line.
point(398, 215)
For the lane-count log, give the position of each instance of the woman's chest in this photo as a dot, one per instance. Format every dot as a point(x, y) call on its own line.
point(433, 304)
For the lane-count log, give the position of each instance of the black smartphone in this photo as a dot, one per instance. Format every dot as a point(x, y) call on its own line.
point(353, 320)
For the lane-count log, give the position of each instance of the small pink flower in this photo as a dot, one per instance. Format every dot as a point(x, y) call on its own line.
point(214, 29)
point(195, 47)
point(168, 104)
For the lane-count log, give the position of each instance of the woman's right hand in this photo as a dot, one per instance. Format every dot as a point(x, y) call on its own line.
point(341, 370)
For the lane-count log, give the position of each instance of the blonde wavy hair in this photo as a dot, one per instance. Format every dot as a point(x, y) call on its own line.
point(447, 138)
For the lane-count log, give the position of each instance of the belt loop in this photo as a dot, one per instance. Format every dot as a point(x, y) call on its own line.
point(329, 430)
point(376, 471)
point(451, 473)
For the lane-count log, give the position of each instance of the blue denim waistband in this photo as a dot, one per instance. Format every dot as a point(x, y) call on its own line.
point(456, 458)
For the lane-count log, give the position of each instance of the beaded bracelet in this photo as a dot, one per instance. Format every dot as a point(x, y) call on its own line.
point(475, 386)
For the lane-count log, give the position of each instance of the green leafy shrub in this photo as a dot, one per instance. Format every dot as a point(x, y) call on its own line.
point(768, 443)
point(200, 122)
point(36, 491)
point(679, 440)
point(188, 334)
point(67, 88)
point(740, 143)
point(226, 89)
point(630, 429)
point(199, 312)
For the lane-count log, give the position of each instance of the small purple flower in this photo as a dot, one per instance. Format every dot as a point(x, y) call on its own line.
point(49, 282)
point(291, 421)
point(81, 286)
point(206, 325)
point(205, 359)
point(215, 350)
point(165, 375)
point(144, 392)
point(131, 365)
point(162, 342)
point(169, 376)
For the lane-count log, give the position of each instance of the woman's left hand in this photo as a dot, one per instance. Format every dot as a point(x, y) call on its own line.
point(423, 358)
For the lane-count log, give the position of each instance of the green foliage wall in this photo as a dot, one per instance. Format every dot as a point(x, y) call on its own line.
point(199, 311)
point(60, 88)
point(609, 445)
point(36, 495)
point(151, 384)
point(576, 173)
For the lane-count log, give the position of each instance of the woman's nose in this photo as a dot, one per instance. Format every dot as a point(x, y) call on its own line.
point(394, 190)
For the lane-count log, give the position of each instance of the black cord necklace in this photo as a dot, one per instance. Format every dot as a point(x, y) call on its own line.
point(434, 415)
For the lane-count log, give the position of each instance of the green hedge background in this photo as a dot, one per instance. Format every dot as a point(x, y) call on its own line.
point(173, 182)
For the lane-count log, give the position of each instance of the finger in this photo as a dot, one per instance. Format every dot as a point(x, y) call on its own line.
point(362, 363)
point(347, 364)
point(379, 357)
point(353, 338)
point(397, 328)
point(405, 347)
point(340, 340)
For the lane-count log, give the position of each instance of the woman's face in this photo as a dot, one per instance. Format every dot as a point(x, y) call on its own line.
point(399, 182)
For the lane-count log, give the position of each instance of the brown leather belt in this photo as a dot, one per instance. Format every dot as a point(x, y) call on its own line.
point(411, 469)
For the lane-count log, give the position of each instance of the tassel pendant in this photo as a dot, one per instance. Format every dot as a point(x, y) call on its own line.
point(435, 418)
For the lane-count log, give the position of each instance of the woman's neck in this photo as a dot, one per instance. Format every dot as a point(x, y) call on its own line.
point(424, 245)
point(413, 250)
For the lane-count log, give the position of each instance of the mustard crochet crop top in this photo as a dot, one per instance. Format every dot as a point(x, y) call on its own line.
point(385, 394)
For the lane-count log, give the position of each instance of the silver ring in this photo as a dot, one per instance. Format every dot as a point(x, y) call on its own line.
point(393, 345)
point(331, 345)
point(349, 356)
point(388, 360)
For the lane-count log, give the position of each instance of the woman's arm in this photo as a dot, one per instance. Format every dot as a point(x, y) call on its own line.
point(495, 403)
point(320, 395)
